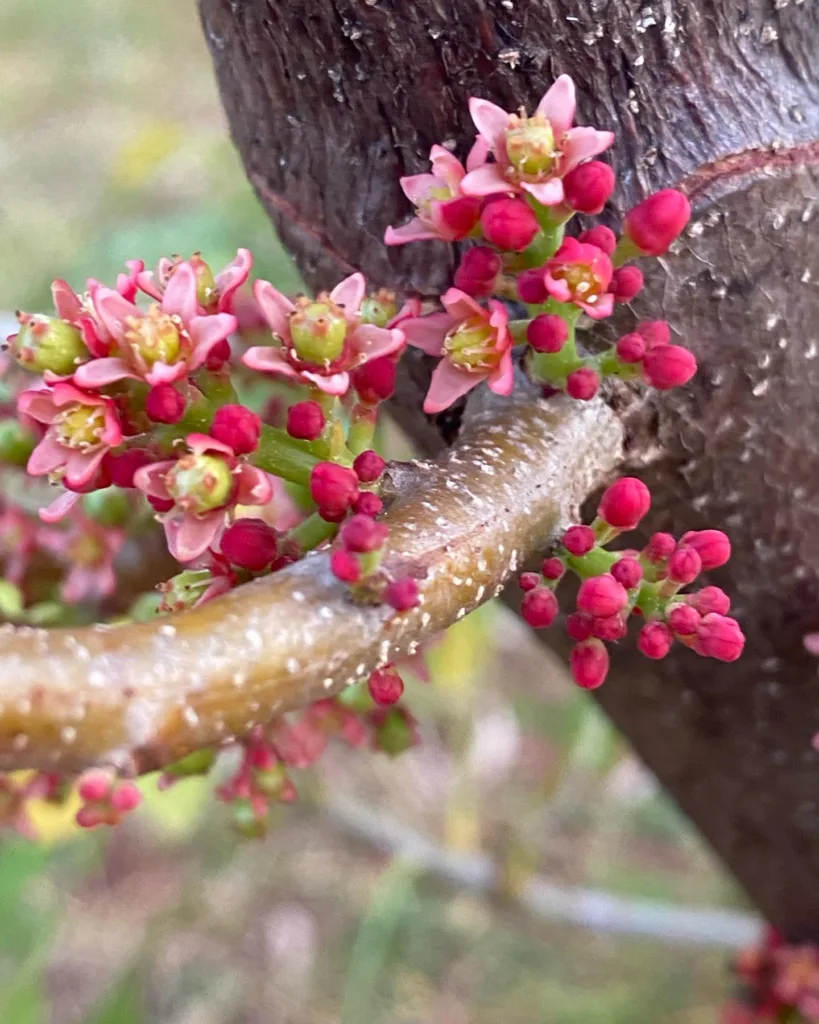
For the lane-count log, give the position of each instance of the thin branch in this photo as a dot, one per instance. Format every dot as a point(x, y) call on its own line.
point(141, 695)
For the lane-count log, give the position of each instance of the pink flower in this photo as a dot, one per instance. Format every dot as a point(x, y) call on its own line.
point(532, 154)
point(205, 487)
point(321, 340)
point(442, 210)
point(214, 293)
point(89, 549)
point(160, 345)
point(18, 542)
point(475, 344)
point(581, 273)
point(82, 428)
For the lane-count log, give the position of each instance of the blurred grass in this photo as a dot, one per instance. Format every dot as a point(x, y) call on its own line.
point(113, 146)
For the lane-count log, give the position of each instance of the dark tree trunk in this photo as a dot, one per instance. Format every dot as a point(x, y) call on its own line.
point(329, 101)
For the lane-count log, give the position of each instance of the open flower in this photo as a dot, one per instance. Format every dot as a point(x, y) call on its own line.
point(581, 273)
point(442, 210)
point(161, 344)
point(214, 292)
point(321, 339)
point(475, 344)
point(202, 488)
point(532, 154)
point(88, 549)
point(82, 428)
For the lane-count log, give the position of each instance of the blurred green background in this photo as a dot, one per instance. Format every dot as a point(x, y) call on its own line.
point(368, 903)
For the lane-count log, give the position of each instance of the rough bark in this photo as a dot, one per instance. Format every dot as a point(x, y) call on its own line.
point(329, 101)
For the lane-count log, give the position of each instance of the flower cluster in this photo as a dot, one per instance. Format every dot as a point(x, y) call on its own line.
point(777, 982)
point(648, 584)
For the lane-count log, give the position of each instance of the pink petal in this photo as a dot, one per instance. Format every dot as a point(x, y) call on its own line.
point(597, 310)
point(39, 405)
point(581, 144)
point(60, 507)
point(427, 332)
point(254, 487)
point(448, 383)
point(180, 294)
point(490, 120)
point(416, 187)
point(165, 373)
point(486, 180)
point(112, 432)
point(549, 193)
point(66, 301)
point(413, 231)
point(207, 331)
point(191, 536)
point(276, 308)
point(350, 293)
point(461, 306)
point(81, 466)
point(47, 456)
point(201, 443)
point(112, 309)
point(100, 372)
point(477, 154)
point(145, 281)
point(558, 105)
point(447, 167)
point(502, 379)
point(557, 288)
point(151, 479)
point(232, 277)
point(267, 359)
point(371, 342)
point(334, 384)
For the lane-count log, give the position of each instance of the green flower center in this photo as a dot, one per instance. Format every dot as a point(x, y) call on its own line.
point(379, 309)
point(582, 282)
point(154, 337)
point(471, 345)
point(80, 426)
point(200, 483)
point(318, 331)
point(530, 146)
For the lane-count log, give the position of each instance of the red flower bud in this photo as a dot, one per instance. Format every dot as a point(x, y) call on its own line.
point(684, 566)
point(654, 224)
point(626, 283)
point(628, 572)
point(579, 540)
point(95, 785)
point(610, 628)
point(509, 224)
point(122, 467)
point(375, 381)
point(660, 546)
point(385, 686)
point(164, 404)
point(655, 332)
point(361, 534)
point(460, 215)
point(601, 596)
point(655, 640)
point(478, 271)
point(218, 356)
point(344, 566)
point(683, 620)
point(582, 384)
point(669, 366)
point(579, 627)
point(589, 662)
point(553, 568)
point(238, 427)
point(631, 347)
point(369, 466)
point(528, 580)
point(250, 544)
point(305, 421)
point(368, 504)
point(531, 287)
point(625, 503)
point(710, 599)
point(334, 489)
point(539, 607)
point(160, 504)
point(712, 546)
point(402, 594)
point(588, 187)
point(719, 637)
point(547, 333)
point(126, 797)
point(603, 237)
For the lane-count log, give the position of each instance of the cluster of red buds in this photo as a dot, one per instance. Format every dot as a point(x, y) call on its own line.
point(648, 584)
point(778, 983)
